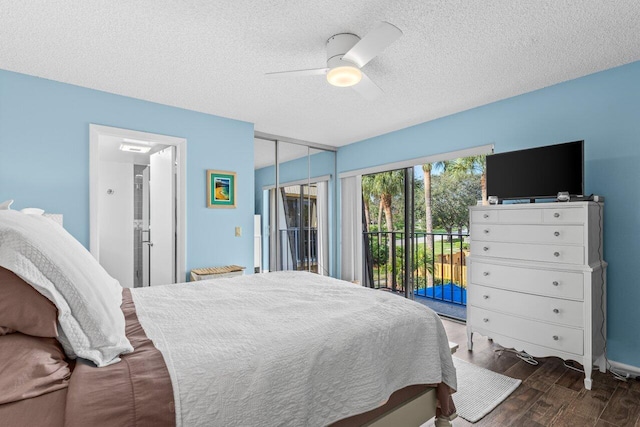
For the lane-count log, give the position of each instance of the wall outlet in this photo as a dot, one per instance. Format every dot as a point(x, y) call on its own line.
point(238, 231)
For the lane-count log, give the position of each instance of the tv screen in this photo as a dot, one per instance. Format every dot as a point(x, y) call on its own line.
point(536, 173)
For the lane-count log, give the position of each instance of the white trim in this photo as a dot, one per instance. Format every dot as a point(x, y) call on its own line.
point(624, 368)
point(298, 182)
point(467, 152)
point(181, 186)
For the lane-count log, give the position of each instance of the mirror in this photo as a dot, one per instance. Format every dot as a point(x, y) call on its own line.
point(294, 190)
point(264, 176)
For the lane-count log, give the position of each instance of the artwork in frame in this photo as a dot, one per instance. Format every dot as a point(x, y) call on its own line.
point(221, 189)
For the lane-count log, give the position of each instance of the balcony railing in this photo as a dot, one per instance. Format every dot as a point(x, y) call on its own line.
point(439, 274)
point(299, 251)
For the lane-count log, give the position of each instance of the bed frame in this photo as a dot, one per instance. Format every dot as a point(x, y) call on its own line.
point(411, 407)
point(413, 412)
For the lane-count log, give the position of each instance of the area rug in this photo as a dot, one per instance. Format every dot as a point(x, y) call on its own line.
point(480, 390)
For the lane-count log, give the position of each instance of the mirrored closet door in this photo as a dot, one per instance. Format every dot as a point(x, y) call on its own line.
point(294, 191)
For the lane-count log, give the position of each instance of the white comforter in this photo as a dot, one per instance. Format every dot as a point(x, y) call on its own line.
point(289, 348)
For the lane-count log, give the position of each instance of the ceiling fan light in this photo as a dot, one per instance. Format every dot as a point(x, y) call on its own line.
point(344, 76)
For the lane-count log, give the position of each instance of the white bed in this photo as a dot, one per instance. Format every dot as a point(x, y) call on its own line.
point(275, 349)
point(289, 348)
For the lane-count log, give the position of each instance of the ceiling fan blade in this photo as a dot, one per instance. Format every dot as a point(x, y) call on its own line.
point(296, 73)
point(373, 44)
point(367, 88)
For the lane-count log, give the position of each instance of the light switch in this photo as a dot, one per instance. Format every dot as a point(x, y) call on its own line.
point(238, 231)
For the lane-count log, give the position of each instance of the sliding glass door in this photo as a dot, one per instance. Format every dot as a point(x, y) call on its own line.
point(388, 230)
point(415, 228)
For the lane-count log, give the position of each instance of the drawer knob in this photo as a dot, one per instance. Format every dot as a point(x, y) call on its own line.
point(556, 254)
point(556, 215)
point(486, 248)
point(555, 283)
point(485, 320)
point(485, 216)
point(556, 311)
point(486, 231)
point(555, 338)
point(485, 296)
point(557, 233)
point(485, 273)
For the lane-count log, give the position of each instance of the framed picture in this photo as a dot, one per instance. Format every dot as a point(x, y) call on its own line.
point(221, 189)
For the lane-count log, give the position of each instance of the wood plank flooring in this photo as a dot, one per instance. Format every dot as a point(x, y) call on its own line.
point(550, 393)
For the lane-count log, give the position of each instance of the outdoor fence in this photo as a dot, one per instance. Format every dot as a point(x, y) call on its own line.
point(440, 273)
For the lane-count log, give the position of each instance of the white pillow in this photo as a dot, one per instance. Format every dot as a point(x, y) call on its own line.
point(59, 267)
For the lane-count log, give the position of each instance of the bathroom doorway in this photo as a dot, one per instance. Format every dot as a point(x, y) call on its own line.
point(137, 205)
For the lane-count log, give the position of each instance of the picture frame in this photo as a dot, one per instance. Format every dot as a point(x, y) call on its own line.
point(221, 189)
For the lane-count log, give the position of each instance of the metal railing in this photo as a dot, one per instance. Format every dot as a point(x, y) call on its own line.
point(439, 274)
point(297, 254)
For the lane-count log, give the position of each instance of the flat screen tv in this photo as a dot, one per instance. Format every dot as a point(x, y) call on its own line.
point(536, 173)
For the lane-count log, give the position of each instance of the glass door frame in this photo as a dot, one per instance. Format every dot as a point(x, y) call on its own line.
point(408, 240)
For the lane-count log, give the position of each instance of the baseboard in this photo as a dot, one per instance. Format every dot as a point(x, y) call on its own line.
point(624, 368)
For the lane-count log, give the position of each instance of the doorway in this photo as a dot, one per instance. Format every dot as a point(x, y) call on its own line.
point(137, 205)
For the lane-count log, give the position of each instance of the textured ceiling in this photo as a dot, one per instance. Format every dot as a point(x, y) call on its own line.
point(211, 56)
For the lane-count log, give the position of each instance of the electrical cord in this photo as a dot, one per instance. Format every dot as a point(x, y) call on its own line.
point(617, 375)
point(602, 310)
point(575, 368)
point(620, 376)
point(522, 355)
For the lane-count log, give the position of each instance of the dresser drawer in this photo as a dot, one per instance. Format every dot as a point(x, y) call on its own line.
point(554, 234)
point(509, 216)
point(561, 311)
point(559, 284)
point(520, 216)
point(564, 215)
point(486, 215)
point(553, 336)
point(529, 252)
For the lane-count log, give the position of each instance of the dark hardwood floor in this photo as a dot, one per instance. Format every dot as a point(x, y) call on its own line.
point(550, 393)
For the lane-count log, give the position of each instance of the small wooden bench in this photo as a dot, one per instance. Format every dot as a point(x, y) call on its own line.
point(453, 347)
point(216, 272)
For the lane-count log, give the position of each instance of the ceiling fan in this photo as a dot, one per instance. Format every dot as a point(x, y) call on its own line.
point(347, 54)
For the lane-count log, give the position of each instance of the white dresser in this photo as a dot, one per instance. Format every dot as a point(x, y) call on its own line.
point(537, 281)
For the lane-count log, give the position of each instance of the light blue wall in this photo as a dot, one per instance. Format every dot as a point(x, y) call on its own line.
point(603, 109)
point(320, 164)
point(44, 159)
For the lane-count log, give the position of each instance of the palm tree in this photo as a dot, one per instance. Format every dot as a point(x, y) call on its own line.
point(473, 164)
point(385, 185)
point(367, 195)
point(427, 168)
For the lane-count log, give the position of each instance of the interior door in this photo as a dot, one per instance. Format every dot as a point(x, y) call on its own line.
point(162, 215)
point(145, 228)
point(116, 221)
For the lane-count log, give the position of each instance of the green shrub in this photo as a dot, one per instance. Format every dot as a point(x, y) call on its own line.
point(380, 252)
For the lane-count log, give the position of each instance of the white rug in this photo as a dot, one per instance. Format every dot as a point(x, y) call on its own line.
point(480, 390)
